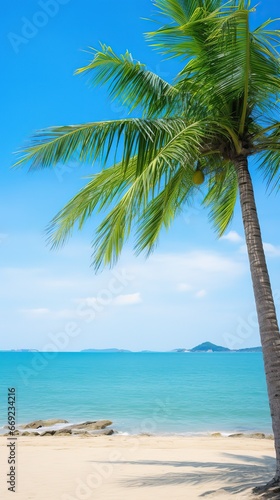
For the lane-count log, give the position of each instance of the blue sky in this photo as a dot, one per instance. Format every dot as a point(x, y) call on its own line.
point(193, 288)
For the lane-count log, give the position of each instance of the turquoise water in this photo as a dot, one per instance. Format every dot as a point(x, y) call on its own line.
point(140, 392)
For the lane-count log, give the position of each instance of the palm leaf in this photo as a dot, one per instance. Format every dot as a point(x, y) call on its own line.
point(221, 199)
point(98, 194)
point(95, 141)
point(213, 113)
point(132, 191)
point(150, 204)
point(129, 81)
point(270, 166)
point(162, 209)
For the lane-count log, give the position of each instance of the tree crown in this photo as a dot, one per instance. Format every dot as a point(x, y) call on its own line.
point(223, 104)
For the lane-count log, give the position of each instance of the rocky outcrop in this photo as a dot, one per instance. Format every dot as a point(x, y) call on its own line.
point(48, 433)
point(44, 423)
point(88, 428)
point(84, 434)
point(15, 433)
point(257, 435)
point(90, 425)
point(108, 432)
point(63, 432)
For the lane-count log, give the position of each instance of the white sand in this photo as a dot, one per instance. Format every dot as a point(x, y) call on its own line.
point(134, 468)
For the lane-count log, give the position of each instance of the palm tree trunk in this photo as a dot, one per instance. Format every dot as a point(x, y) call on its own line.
point(269, 329)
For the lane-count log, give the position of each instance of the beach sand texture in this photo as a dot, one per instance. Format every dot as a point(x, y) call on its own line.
point(137, 467)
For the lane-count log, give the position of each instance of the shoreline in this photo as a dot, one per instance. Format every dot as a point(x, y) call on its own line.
point(123, 467)
point(112, 430)
point(218, 434)
point(56, 426)
point(118, 428)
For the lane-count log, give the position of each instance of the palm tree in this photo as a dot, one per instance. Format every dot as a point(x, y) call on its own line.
point(221, 110)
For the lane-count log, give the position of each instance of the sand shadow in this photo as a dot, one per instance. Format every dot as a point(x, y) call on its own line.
point(235, 477)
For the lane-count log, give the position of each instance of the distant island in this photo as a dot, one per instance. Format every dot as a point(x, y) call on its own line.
point(105, 350)
point(209, 347)
point(19, 350)
point(204, 347)
point(113, 350)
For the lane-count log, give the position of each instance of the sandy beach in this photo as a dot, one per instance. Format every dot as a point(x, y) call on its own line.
point(137, 467)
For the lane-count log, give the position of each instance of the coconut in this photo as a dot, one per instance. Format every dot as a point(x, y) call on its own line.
point(198, 177)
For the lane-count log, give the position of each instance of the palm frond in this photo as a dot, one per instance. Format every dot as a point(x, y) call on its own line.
point(221, 58)
point(131, 192)
point(129, 81)
point(162, 209)
point(221, 199)
point(115, 228)
point(270, 166)
point(149, 204)
point(96, 141)
point(180, 11)
point(224, 55)
point(98, 194)
point(223, 104)
point(186, 38)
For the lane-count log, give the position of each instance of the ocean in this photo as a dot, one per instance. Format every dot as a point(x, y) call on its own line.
point(155, 393)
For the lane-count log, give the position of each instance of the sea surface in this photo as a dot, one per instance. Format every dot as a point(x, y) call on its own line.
point(157, 393)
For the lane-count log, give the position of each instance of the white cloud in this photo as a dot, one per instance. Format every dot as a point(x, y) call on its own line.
point(59, 283)
point(88, 301)
point(233, 237)
point(165, 274)
point(206, 262)
point(44, 312)
point(183, 287)
point(3, 237)
point(269, 250)
point(49, 284)
point(64, 314)
point(36, 312)
point(109, 298)
point(128, 299)
point(166, 283)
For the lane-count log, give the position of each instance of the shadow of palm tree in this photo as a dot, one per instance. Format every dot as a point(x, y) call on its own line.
point(235, 477)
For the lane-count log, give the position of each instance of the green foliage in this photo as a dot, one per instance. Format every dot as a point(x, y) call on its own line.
point(222, 104)
point(128, 81)
point(221, 197)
